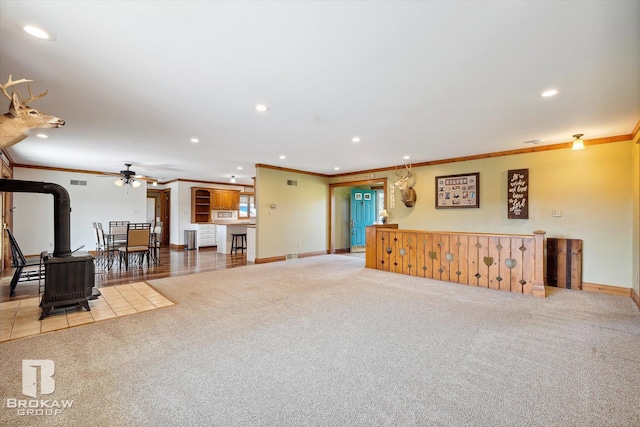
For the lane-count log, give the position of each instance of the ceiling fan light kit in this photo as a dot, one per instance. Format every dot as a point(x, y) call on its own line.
point(129, 177)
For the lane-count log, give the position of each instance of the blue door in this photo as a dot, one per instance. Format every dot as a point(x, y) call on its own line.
point(363, 213)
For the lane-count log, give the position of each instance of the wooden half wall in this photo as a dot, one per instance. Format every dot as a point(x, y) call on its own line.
point(506, 262)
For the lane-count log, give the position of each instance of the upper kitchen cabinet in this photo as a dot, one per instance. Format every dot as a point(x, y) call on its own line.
point(204, 200)
point(230, 199)
point(225, 199)
point(200, 205)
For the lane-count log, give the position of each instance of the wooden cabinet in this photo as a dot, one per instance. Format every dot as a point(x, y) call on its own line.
point(216, 199)
point(225, 199)
point(204, 200)
point(200, 205)
point(230, 199)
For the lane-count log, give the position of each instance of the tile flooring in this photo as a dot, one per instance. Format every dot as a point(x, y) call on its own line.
point(19, 318)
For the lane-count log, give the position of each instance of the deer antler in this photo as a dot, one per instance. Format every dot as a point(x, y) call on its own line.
point(31, 97)
point(13, 83)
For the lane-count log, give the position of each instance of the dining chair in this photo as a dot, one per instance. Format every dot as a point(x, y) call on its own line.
point(156, 239)
point(137, 243)
point(100, 258)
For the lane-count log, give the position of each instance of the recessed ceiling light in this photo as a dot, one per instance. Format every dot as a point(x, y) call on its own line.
point(194, 140)
point(262, 108)
point(42, 135)
point(355, 139)
point(548, 93)
point(406, 157)
point(336, 168)
point(239, 168)
point(38, 32)
point(282, 157)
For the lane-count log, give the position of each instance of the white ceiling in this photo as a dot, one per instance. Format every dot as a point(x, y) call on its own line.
point(433, 80)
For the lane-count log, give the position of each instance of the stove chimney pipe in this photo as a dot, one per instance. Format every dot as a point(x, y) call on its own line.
point(61, 209)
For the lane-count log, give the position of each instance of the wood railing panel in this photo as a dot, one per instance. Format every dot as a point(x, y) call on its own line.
point(528, 263)
point(421, 266)
point(473, 267)
point(509, 263)
point(494, 263)
point(463, 259)
point(445, 264)
point(504, 272)
point(483, 261)
point(428, 255)
point(453, 258)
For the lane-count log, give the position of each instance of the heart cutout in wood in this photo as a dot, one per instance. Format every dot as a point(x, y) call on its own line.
point(488, 260)
point(433, 254)
point(510, 263)
point(449, 256)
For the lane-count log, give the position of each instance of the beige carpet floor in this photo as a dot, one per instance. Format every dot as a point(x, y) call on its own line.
point(324, 341)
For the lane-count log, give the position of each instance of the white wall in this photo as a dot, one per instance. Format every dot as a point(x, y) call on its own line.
point(181, 206)
point(100, 201)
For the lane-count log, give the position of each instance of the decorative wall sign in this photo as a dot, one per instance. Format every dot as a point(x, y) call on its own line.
point(225, 215)
point(458, 191)
point(518, 194)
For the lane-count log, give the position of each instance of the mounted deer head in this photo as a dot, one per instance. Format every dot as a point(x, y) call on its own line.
point(14, 125)
point(407, 193)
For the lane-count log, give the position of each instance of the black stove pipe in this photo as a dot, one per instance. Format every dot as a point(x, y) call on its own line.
point(61, 209)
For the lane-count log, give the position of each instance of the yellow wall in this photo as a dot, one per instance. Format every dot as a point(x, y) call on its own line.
point(299, 222)
point(590, 187)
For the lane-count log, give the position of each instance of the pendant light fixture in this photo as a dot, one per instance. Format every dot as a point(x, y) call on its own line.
point(578, 143)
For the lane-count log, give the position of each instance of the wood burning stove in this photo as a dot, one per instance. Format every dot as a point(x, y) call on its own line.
point(69, 277)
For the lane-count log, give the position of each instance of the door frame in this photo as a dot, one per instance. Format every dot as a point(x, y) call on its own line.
point(331, 244)
point(163, 199)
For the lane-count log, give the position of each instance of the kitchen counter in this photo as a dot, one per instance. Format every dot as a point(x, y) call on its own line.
point(233, 222)
point(224, 232)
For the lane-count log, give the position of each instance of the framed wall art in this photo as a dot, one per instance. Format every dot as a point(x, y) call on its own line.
point(458, 191)
point(518, 194)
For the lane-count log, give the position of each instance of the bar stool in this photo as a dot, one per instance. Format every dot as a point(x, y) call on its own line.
point(238, 241)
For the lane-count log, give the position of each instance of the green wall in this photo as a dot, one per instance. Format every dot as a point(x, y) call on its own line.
point(590, 187)
point(299, 221)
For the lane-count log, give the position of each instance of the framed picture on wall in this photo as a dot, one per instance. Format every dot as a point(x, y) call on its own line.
point(458, 191)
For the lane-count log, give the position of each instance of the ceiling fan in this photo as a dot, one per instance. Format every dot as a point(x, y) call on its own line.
point(130, 177)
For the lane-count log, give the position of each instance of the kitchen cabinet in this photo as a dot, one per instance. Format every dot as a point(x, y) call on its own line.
point(230, 199)
point(207, 235)
point(200, 205)
point(225, 199)
point(204, 200)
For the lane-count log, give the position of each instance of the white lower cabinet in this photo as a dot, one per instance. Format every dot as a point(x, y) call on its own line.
point(206, 235)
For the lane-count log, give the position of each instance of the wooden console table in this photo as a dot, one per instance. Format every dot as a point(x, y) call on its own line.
point(506, 262)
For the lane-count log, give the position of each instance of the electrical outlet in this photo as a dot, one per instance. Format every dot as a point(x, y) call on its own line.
point(556, 213)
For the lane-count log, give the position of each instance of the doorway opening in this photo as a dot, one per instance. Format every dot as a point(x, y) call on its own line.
point(340, 226)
